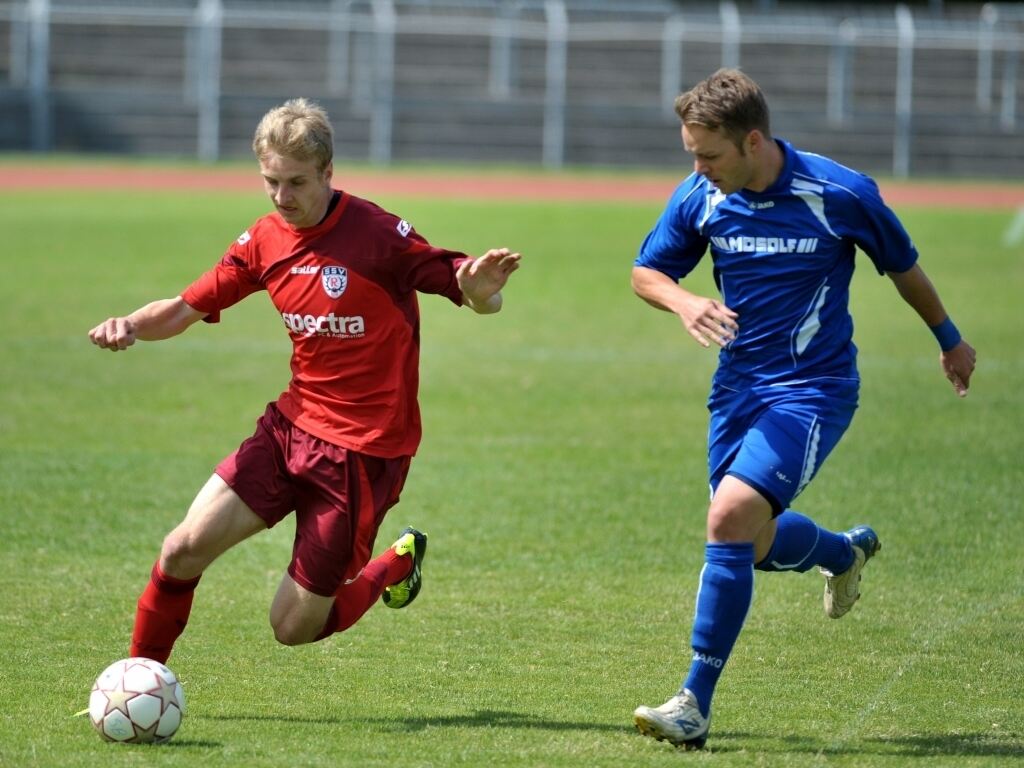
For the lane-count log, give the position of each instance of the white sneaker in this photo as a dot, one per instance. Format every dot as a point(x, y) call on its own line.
point(677, 721)
point(843, 590)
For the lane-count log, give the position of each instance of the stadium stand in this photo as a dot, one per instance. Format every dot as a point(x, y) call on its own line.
point(923, 89)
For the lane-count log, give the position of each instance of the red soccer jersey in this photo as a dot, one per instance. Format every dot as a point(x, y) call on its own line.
point(346, 291)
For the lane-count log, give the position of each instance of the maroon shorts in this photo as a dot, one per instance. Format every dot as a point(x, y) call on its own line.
point(339, 497)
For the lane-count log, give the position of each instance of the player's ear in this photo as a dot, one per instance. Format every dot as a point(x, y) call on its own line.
point(753, 141)
point(328, 173)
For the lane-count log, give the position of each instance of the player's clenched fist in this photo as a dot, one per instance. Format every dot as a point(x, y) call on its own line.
point(115, 334)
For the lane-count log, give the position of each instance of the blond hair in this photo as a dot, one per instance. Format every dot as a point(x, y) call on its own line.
point(298, 129)
point(729, 102)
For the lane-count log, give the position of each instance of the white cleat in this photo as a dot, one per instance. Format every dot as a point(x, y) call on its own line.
point(677, 721)
point(843, 590)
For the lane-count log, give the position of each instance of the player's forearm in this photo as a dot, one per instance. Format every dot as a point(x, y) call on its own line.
point(917, 290)
point(162, 319)
point(659, 290)
point(157, 320)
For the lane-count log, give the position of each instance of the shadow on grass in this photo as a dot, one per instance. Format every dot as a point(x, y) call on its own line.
point(921, 745)
point(482, 719)
point(964, 745)
point(201, 743)
point(488, 718)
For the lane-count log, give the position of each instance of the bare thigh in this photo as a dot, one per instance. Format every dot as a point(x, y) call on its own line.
point(217, 520)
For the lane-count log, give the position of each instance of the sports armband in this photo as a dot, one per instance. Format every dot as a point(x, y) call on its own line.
point(946, 334)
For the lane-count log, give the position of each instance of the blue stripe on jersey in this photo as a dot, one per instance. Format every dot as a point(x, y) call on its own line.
point(787, 256)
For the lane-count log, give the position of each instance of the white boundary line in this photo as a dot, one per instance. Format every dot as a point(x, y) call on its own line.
point(925, 639)
point(1015, 232)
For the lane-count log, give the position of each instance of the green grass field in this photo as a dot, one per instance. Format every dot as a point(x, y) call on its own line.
point(562, 481)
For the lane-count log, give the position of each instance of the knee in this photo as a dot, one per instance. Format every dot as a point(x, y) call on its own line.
point(287, 636)
point(724, 524)
point(295, 624)
point(178, 555)
point(729, 522)
point(737, 513)
point(292, 633)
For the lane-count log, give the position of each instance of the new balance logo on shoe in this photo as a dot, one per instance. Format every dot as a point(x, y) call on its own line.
point(677, 721)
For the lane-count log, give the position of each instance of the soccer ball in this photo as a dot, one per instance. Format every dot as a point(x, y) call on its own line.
point(136, 700)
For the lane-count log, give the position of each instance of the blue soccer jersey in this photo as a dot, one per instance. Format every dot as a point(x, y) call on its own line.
point(783, 259)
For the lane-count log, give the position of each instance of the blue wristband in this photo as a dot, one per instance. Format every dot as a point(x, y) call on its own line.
point(946, 334)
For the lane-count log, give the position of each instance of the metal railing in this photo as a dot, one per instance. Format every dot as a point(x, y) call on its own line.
point(362, 39)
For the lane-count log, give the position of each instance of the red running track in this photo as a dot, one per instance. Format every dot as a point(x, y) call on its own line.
point(457, 184)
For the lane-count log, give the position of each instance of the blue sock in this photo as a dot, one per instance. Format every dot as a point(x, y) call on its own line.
point(726, 589)
point(800, 544)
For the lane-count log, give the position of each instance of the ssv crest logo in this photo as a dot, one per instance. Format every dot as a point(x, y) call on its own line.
point(335, 280)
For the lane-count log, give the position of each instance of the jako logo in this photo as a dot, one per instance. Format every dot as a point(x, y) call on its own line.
point(748, 244)
point(244, 238)
point(325, 325)
point(714, 661)
point(404, 228)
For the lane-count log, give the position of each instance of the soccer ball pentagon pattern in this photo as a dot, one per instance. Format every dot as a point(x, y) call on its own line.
point(136, 701)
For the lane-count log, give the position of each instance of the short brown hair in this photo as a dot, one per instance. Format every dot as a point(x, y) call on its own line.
point(729, 102)
point(300, 129)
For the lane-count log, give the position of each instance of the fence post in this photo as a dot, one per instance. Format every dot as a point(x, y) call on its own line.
point(904, 91)
point(382, 116)
point(40, 108)
point(337, 46)
point(731, 33)
point(362, 44)
point(1008, 106)
point(986, 40)
point(671, 62)
point(839, 78)
point(210, 18)
point(502, 55)
point(555, 65)
point(18, 55)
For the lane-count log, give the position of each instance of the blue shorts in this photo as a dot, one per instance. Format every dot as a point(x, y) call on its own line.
point(776, 437)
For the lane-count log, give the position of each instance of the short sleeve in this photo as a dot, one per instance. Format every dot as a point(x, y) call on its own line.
point(878, 232)
point(230, 281)
point(675, 245)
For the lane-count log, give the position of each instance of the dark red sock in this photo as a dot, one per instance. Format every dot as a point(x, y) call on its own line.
point(162, 614)
point(354, 599)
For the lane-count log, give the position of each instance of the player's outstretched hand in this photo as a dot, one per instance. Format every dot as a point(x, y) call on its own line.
point(482, 279)
point(115, 334)
point(958, 365)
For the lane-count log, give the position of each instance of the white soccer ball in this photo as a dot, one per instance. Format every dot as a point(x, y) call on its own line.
point(136, 700)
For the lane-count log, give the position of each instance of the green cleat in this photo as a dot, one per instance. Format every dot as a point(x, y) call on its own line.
point(410, 542)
